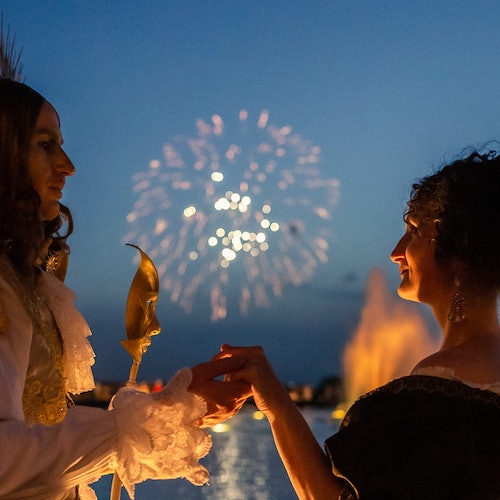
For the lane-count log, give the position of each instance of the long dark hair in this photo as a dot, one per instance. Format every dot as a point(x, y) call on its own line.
point(22, 233)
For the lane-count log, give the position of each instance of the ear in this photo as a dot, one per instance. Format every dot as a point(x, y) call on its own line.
point(434, 228)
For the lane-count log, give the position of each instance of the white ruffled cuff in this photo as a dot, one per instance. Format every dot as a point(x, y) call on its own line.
point(158, 437)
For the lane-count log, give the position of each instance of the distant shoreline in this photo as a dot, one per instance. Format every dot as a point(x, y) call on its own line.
point(329, 393)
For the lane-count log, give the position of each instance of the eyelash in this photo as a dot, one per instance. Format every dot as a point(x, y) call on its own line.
point(47, 145)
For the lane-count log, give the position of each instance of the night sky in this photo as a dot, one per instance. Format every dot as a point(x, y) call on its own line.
point(378, 92)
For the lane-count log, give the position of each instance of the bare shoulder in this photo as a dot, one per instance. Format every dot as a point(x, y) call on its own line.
point(477, 362)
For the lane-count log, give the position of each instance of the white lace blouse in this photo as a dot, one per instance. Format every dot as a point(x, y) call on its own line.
point(144, 435)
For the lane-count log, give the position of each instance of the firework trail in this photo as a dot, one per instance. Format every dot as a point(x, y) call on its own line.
point(225, 212)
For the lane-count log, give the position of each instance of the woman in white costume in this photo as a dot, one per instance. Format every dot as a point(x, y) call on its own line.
point(50, 448)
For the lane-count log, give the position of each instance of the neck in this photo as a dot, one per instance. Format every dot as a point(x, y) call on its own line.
point(481, 320)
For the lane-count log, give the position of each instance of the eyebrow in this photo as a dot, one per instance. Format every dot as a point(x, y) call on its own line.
point(49, 132)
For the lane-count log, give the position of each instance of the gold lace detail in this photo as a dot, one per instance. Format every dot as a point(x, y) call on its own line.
point(44, 395)
point(45, 400)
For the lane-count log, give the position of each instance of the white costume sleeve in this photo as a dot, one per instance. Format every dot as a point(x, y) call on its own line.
point(144, 436)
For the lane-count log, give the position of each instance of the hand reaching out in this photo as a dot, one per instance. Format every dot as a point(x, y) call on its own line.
point(224, 397)
point(270, 395)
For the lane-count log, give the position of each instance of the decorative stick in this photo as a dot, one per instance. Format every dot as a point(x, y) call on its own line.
point(141, 324)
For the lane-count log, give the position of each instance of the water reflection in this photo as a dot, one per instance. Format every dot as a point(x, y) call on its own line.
point(243, 463)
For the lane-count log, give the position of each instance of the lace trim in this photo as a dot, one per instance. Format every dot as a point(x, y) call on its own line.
point(85, 492)
point(78, 353)
point(158, 434)
point(449, 373)
point(432, 384)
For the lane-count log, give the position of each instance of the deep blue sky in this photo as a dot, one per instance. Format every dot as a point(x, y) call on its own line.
point(387, 89)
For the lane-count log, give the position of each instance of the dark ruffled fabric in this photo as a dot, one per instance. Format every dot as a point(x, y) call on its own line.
point(421, 437)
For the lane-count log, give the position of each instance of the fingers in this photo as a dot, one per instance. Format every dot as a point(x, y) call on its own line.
point(217, 367)
point(204, 379)
point(227, 350)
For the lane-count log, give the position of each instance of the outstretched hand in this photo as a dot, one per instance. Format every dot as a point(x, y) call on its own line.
point(270, 395)
point(224, 398)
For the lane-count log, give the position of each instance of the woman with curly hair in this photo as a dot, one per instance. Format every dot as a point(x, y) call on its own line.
point(434, 434)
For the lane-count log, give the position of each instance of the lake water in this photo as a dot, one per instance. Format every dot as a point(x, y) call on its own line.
point(243, 464)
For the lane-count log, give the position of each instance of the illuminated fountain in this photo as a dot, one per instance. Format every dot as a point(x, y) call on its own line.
point(390, 340)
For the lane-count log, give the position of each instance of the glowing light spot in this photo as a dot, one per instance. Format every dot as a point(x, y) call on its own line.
point(263, 119)
point(219, 428)
point(232, 152)
point(243, 115)
point(193, 255)
point(220, 232)
point(237, 245)
point(266, 209)
point(189, 211)
point(323, 212)
point(131, 217)
point(218, 128)
point(228, 254)
point(274, 227)
point(161, 225)
point(212, 241)
point(217, 176)
point(265, 223)
point(258, 415)
point(260, 237)
point(222, 204)
point(338, 413)
point(154, 164)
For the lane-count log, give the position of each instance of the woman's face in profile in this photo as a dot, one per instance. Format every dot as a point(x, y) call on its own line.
point(423, 279)
point(47, 162)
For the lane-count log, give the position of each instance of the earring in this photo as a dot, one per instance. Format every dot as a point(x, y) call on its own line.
point(457, 304)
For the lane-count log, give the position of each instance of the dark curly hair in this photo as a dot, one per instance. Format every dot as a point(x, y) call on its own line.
point(463, 199)
point(22, 233)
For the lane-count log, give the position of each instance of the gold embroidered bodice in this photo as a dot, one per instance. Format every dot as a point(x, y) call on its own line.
point(44, 396)
point(45, 400)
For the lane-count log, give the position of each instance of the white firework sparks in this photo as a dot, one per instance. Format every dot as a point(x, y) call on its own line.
point(226, 212)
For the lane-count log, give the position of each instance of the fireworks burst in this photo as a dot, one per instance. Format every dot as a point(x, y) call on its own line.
point(229, 213)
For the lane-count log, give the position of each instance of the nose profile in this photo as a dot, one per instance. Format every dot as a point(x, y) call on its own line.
point(64, 165)
point(397, 253)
